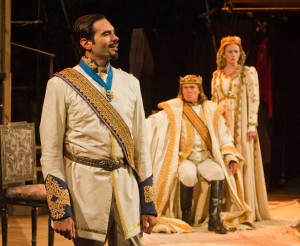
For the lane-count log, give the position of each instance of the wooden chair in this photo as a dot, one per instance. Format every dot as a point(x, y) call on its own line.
point(18, 176)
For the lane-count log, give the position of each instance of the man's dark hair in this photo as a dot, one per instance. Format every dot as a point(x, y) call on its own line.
point(83, 28)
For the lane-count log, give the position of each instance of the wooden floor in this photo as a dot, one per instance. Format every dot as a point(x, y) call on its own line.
point(19, 232)
point(19, 227)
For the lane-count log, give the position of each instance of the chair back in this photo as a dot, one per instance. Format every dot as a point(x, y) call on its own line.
point(18, 157)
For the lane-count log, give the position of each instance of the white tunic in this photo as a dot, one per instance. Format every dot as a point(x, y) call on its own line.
point(67, 120)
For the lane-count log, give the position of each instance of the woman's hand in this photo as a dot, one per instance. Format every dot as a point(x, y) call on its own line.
point(251, 135)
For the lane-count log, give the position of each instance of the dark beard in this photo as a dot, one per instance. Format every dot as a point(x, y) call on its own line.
point(114, 56)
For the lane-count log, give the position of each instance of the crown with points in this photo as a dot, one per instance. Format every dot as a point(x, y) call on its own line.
point(231, 40)
point(190, 79)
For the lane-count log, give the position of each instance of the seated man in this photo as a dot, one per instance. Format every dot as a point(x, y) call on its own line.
point(189, 141)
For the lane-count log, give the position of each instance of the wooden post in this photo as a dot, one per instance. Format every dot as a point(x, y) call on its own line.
point(5, 58)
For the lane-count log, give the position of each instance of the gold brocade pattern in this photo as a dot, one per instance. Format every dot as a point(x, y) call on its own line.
point(92, 64)
point(149, 194)
point(202, 115)
point(62, 198)
point(199, 125)
point(162, 181)
point(89, 62)
point(103, 109)
point(124, 226)
point(205, 147)
point(105, 164)
point(238, 108)
point(186, 142)
point(122, 218)
point(102, 232)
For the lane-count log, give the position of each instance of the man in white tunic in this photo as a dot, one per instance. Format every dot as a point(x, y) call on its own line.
point(95, 152)
point(190, 142)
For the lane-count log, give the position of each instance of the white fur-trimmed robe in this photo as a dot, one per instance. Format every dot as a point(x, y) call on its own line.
point(164, 130)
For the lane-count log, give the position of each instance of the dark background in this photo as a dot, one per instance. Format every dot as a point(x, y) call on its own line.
point(181, 43)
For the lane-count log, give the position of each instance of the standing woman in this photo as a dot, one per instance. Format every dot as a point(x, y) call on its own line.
point(235, 88)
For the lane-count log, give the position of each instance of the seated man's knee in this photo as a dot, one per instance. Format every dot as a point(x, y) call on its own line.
point(210, 170)
point(217, 174)
point(187, 173)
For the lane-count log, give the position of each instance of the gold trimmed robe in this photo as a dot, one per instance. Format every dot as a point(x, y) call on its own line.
point(167, 151)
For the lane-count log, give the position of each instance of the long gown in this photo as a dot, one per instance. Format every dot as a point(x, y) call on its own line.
point(238, 97)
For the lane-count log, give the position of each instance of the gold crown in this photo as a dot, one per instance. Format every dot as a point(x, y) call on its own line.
point(231, 40)
point(190, 79)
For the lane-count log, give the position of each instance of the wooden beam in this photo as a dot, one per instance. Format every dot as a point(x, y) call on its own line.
point(267, 2)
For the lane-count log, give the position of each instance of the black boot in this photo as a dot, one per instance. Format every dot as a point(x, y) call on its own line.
point(215, 203)
point(186, 196)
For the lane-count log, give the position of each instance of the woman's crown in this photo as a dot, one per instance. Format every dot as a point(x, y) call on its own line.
point(231, 40)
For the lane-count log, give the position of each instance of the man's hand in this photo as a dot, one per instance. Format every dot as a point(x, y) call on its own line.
point(65, 227)
point(148, 222)
point(233, 167)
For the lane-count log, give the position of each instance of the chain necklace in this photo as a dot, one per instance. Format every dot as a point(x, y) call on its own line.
point(231, 77)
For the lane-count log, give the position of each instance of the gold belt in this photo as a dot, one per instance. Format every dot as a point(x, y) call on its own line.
point(105, 164)
point(227, 97)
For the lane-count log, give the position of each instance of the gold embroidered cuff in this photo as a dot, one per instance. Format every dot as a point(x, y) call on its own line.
point(147, 197)
point(58, 197)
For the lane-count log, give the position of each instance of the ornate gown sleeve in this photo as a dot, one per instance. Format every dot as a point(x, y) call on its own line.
point(52, 131)
point(252, 97)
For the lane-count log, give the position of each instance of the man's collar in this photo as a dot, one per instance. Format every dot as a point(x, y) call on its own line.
point(192, 104)
point(92, 64)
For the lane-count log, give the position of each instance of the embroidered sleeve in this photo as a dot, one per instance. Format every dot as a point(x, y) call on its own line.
point(58, 198)
point(253, 97)
point(147, 197)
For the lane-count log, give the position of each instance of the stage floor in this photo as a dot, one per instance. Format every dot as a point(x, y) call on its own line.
point(284, 229)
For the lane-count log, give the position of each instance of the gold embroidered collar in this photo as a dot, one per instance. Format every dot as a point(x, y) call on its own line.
point(92, 64)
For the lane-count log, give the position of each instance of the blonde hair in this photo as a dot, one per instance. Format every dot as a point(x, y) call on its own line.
point(221, 62)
